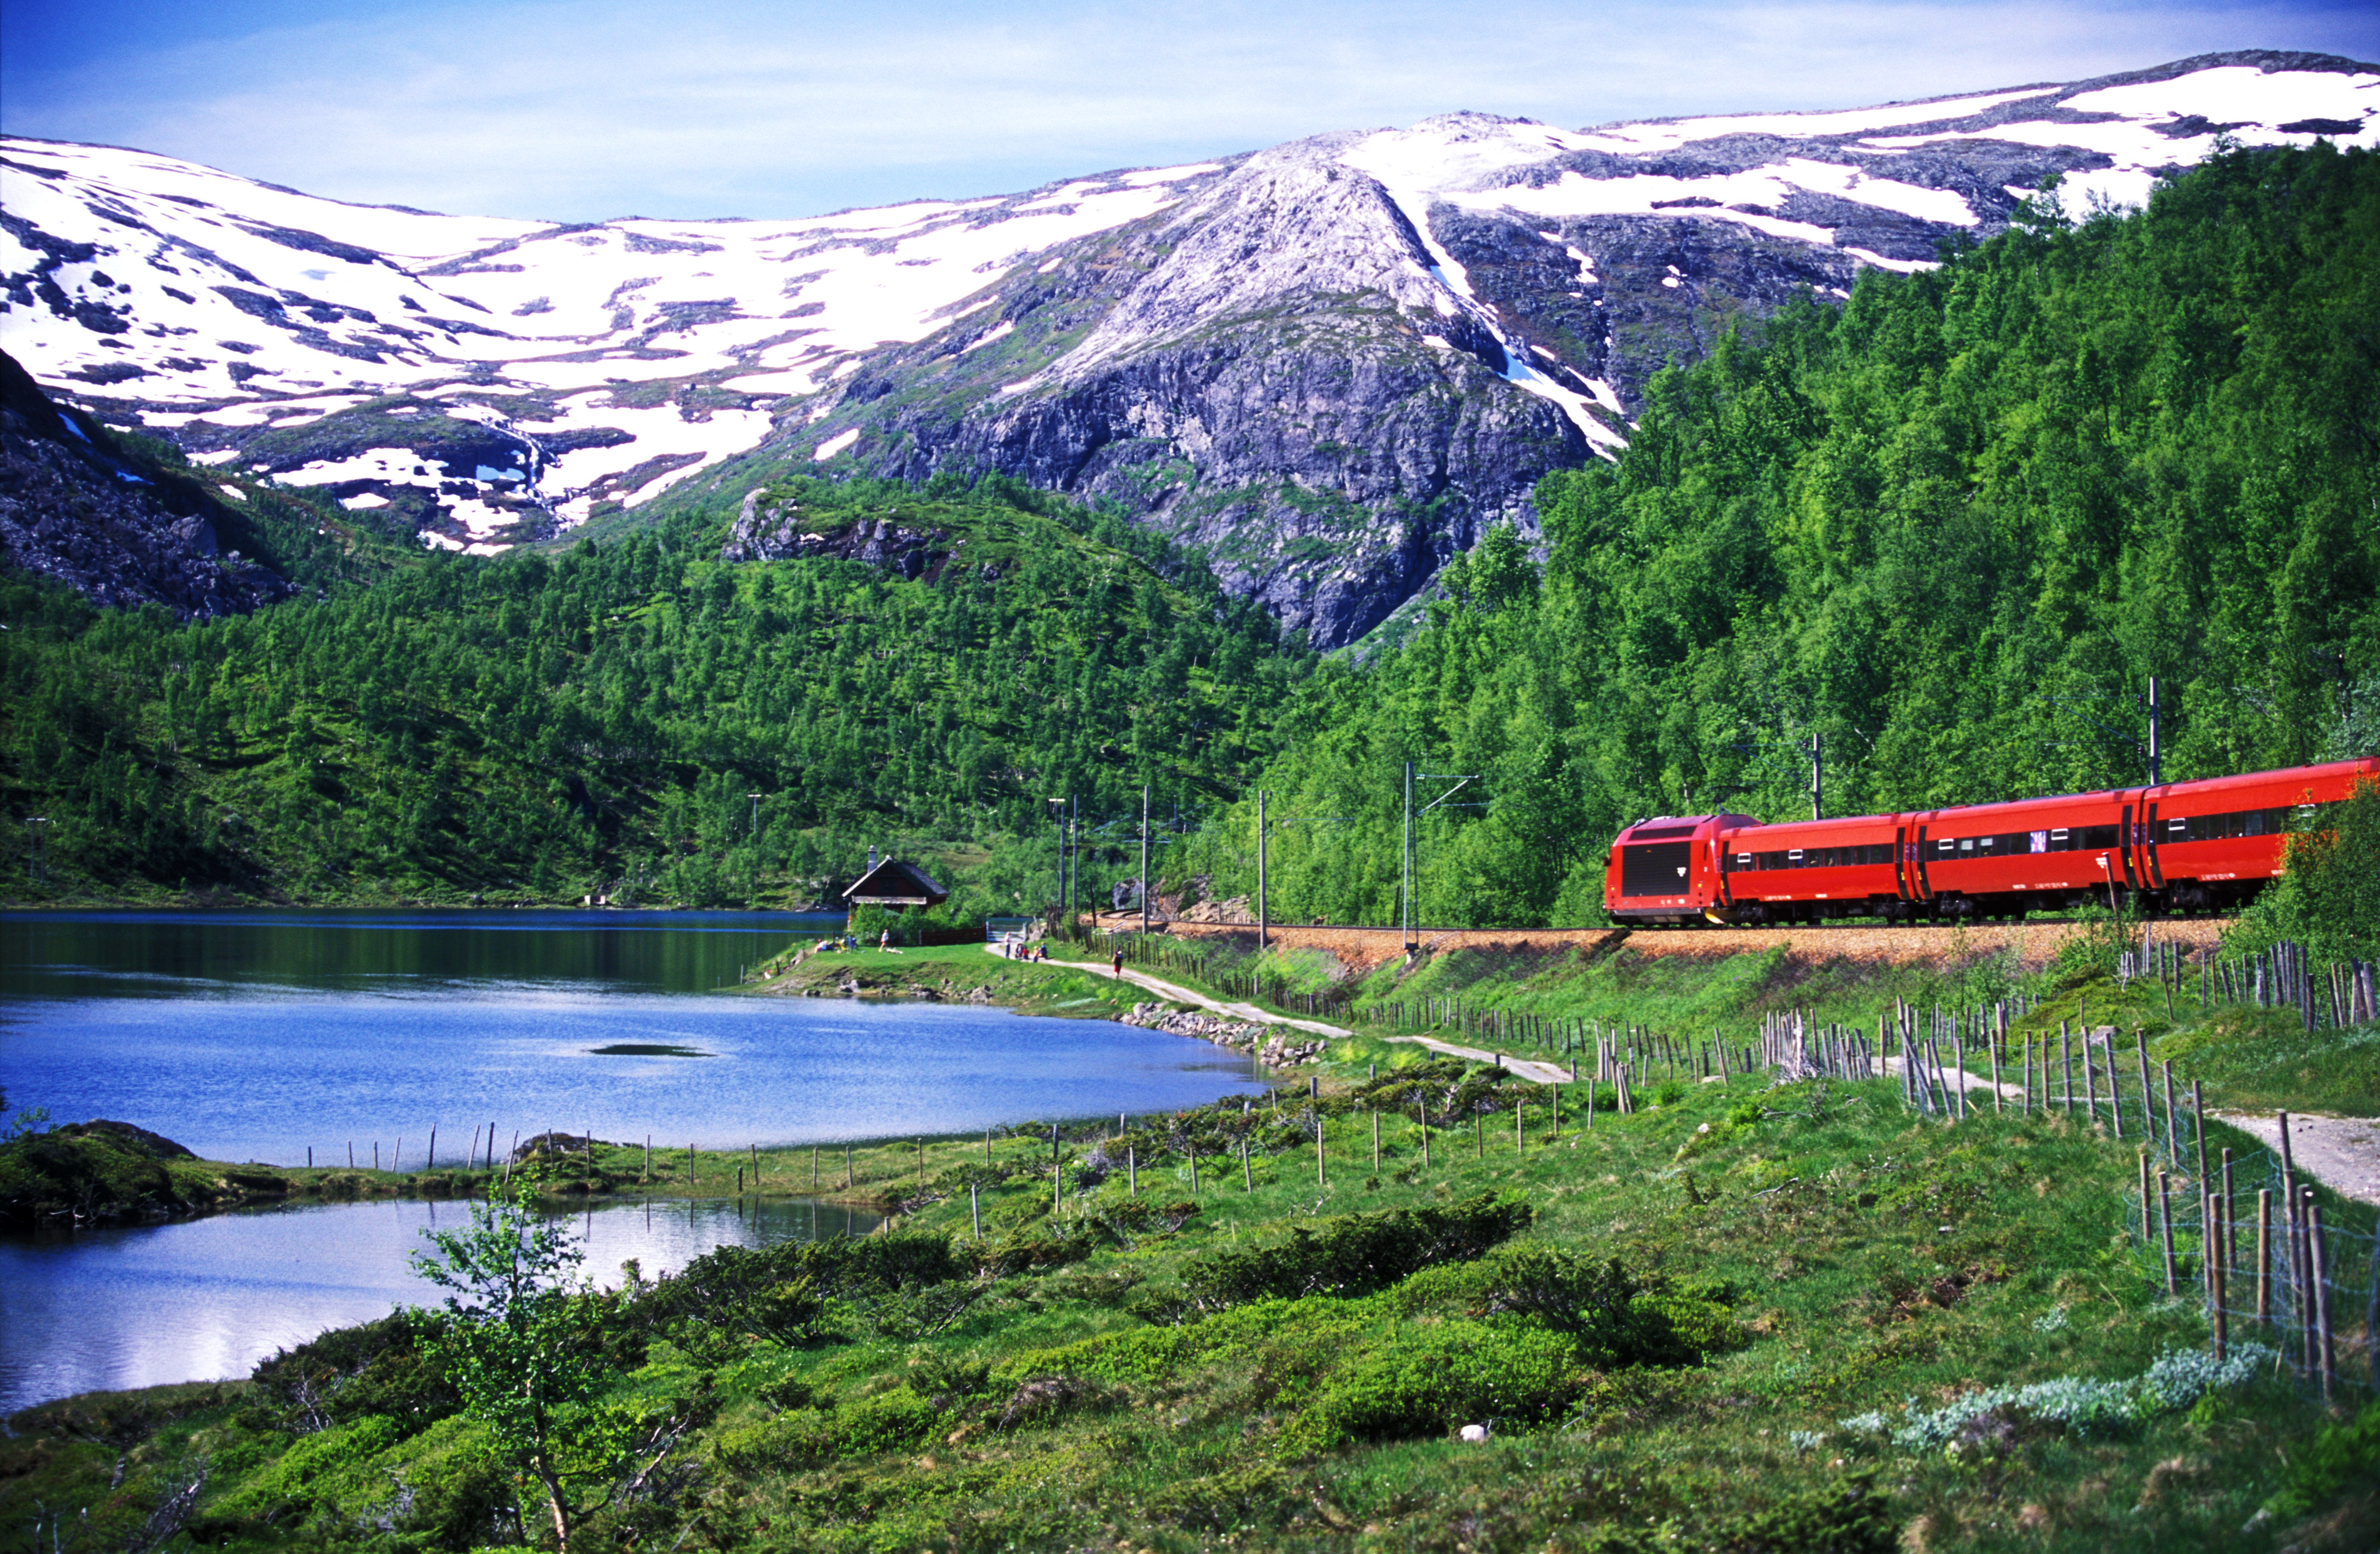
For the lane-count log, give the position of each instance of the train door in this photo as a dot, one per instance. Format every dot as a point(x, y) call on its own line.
point(2131, 840)
point(1923, 888)
point(1902, 866)
point(2152, 871)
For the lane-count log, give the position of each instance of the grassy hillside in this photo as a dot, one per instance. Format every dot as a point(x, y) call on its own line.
point(1749, 1317)
point(1753, 1317)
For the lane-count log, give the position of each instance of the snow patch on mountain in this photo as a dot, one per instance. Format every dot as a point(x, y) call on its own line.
point(607, 363)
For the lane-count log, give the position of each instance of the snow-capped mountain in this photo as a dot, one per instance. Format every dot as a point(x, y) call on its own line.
point(1331, 362)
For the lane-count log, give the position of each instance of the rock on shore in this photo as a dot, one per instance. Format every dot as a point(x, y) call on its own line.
point(1270, 1047)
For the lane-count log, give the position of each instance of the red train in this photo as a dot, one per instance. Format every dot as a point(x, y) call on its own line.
point(2183, 847)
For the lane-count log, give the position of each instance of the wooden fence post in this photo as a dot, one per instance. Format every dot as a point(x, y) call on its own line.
point(2165, 1228)
point(2320, 1260)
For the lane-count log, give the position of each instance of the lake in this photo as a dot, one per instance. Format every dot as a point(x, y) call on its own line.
point(260, 1035)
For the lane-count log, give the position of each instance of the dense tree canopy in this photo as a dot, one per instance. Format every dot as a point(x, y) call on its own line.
point(553, 724)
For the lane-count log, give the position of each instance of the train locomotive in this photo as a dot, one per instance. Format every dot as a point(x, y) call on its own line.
point(2176, 848)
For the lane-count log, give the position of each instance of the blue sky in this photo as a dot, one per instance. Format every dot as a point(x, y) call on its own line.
point(614, 107)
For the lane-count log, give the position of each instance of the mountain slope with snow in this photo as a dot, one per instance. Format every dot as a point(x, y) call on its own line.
point(1331, 362)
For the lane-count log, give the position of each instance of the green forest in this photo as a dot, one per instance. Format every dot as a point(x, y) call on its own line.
point(1952, 527)
point(637, 719)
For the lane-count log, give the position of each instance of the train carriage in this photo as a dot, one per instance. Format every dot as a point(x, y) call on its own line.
point(2204, 845)
point(2209, 845)
point(2040, 855)
point(1811, 870)
point(1666, 869)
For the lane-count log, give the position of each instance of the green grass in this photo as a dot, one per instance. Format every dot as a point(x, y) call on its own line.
point(1851, 1262)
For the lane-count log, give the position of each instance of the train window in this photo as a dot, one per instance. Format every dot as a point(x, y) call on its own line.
point(2039, 840)
point(1812, 857)
point(1658, 869)
point(2244, 823)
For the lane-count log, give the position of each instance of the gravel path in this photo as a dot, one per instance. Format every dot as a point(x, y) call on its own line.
point(1527, 1068)
point(2342, 1153)
point(1180, 994)
point(1363, 949)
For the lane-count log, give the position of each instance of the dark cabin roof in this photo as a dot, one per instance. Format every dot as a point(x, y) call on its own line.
point(895, 884)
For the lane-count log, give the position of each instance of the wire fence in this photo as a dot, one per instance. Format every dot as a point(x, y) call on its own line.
point(2248, 1240)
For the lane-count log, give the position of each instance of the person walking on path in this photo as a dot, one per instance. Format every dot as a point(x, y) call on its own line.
point(1118, 963)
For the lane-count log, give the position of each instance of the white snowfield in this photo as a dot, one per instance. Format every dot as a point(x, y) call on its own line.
point(216, 305)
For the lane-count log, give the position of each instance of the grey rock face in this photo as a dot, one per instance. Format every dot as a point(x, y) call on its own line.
point(73, 511)
point(1341, 361)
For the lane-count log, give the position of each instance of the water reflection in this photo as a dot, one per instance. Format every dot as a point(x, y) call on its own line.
point(265, 1036)
point(181, 955)
point(209, 1298)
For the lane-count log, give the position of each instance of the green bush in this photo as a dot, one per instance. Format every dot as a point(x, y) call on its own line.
point(1427, 1380)
point(348, 1374)
point(2339, 1458)
point(784, 1291)
point(312, 1467)
point(1355, 1254)
point(807, 1436)
point(1616, 1317)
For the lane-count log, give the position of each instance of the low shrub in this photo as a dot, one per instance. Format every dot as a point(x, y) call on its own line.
point(807, 1437)
point(2077, 1406)
point(313, 1466)
point(1616, 1317)
point(785, 1292)
point(2339, 1458)
point(1429, 1380)
point(1355, 1254)
point(376, 1368)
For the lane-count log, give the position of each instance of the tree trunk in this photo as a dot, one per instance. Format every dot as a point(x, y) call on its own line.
point(552, 1483)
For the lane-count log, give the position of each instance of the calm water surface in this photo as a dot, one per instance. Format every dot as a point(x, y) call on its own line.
point(139, 1307)
point(258, 1037)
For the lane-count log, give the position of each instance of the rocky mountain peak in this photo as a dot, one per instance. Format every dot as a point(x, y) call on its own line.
point(1332, 363)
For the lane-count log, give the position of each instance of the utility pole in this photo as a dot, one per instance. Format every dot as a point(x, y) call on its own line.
point(1058, 902)
point(1264, 918)
point(1817, 777)
point(1074, 854)
point(2157, 777)
point(756, 816)
point(35, 824)
point(1405, 889)
point(1144, 859)
point(1461, 780)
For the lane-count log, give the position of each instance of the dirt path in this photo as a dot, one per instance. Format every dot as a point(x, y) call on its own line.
point(1180, 994)
point(1542, 1073)
point(2342, 1153)
point(1527, 1068)
point(1960, 1079)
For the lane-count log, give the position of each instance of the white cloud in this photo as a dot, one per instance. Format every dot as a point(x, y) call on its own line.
point(586, 111)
